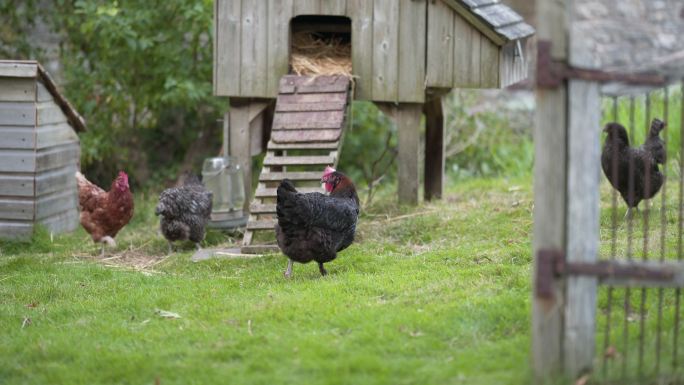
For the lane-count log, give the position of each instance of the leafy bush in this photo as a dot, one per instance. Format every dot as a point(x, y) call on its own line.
point(141, 76)
point(489, 133)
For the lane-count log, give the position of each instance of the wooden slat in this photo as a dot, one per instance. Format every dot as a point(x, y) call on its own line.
point(361, 13)
point(54, 135)
point(308, 120)
point(254, 46)
point(306, 136)
point(13, 137)
point(228, 47)
point(464, 34)
point(303, 146)
point(411, 62)
point(279, 14)
point(489, 64)
point(261, 225)
point(43, 94)
point(385, 50)
point(272, 192)
point(20, 185)
point(16, 230)
point(17, 161)
point(498, 15)
point(61, 179)
point(17, 89)
point(333, 7)
point(440, 45)
point(307, 85)
point(307, 7)
point(62, 222)
point(339, 97)
point(259, 249)
point(311, 107)
point(57, 157)
point(17, 114)
point(298, 160)
point(16, 208)
point(26, 69)
point(52, 204)
point(262, 208)
point(295, 176)
point(49, 113)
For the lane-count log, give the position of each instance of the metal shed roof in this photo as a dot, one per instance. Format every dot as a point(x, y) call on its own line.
point(495, 20)
point(33, 69)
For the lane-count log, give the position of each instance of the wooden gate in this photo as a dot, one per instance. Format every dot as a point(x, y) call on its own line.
point(607, 289)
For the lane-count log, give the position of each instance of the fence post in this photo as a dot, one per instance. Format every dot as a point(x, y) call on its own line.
point(584, 160)
point(549, 196)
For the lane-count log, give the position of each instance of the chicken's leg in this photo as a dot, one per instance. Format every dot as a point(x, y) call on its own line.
point(288, 271)
point(197, 246)
point(170, 247)
point(102, 250)
point(322, 269)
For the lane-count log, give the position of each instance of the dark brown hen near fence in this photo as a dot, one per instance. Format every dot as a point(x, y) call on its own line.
point(619, 160)
point(313, 226)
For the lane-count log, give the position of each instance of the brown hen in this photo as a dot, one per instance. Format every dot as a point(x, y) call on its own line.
point(104, 213)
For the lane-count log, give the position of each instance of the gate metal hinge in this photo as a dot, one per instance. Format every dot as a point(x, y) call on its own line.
point(552, 265)
point(552, 73)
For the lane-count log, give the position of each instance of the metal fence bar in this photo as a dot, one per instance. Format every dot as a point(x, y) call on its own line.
point(630, 195)
point(645, 228)
point(663, 230)
point(613, 252)
point(678, 291)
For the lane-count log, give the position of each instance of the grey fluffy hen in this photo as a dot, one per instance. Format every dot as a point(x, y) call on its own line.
point(184, 211)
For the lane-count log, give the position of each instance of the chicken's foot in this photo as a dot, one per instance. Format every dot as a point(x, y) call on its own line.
point(322, 269)
point(288, 271)
point(170, 247)
point(197, 246)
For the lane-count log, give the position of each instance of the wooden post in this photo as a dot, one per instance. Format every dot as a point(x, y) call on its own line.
point(406, 116)
point(549, 198)
point(584, 162)
point(408, 130)
point(239, 142)
point(434, 149)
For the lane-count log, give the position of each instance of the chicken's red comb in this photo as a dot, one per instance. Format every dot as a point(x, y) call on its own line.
point(328, 170)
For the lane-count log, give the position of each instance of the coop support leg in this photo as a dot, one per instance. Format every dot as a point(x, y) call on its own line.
point(408, 122)
point(434, 149)
point(239, 143)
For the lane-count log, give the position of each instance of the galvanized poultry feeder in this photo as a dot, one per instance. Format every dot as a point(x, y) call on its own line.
point(224, 177)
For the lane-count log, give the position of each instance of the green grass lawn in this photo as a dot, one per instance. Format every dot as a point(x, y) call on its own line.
point(436, 294)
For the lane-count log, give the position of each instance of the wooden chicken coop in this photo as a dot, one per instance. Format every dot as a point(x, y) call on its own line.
point(39, 152)
point(405, 55)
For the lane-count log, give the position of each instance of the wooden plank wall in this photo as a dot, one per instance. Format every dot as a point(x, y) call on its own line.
point(253, 45)
point(513, 67)
point(458, 55)
point(39, 154)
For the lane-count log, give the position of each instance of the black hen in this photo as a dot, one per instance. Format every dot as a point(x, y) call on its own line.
point(618, 158)
point(314, 227)
point(185, 211)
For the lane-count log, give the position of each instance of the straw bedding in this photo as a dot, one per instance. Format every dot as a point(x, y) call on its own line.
point(314, 56)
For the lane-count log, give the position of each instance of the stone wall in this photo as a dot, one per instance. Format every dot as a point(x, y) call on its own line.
point(631, 35)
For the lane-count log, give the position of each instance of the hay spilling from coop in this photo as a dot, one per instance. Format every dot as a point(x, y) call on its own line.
point(313, 55)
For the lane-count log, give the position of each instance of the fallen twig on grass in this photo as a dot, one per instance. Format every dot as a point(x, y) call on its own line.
point(400, 217)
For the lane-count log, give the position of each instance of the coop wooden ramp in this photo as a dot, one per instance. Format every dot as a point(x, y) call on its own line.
point(308, 127)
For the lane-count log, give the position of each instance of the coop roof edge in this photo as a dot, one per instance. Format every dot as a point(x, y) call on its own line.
point(495, 20)
point(33, 69)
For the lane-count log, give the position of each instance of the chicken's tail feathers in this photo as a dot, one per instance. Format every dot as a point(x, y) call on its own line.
point(81, 179)
point(287, 185)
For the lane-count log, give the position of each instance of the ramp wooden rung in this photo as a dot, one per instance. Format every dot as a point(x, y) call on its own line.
point(307, 132)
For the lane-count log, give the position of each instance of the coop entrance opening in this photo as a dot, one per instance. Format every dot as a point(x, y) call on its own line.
point(321, 45)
